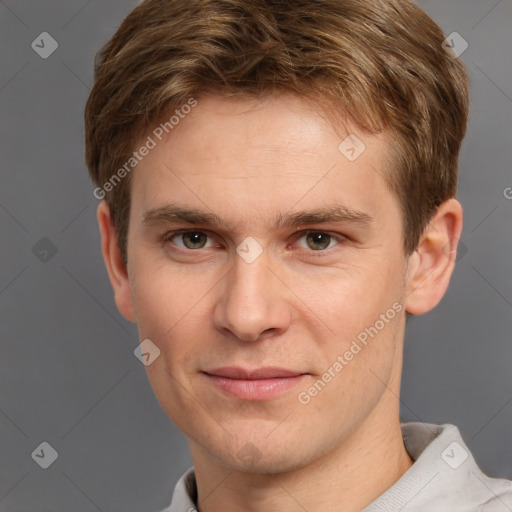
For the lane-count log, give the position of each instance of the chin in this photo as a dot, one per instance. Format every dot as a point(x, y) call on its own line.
point(263, 457)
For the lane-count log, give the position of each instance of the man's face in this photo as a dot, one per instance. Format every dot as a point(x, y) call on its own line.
point(298, 305)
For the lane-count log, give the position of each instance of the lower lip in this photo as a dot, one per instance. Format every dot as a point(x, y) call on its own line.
point(258, 389)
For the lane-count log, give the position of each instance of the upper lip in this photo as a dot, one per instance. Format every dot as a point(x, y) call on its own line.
point(234, 372)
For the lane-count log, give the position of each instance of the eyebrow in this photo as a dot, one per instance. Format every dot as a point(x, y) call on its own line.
point(337, 213)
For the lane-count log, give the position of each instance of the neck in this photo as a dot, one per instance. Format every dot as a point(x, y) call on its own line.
point(368, 462)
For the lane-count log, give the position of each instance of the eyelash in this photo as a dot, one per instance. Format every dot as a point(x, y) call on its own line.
point(167, 237)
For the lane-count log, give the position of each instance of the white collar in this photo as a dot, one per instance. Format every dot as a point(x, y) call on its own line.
point(443, 478)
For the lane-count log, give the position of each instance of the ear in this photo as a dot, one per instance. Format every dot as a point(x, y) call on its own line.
point(431, 266)
point(116, 268)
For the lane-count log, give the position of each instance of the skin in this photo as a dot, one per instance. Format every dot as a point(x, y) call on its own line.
point(207, 307)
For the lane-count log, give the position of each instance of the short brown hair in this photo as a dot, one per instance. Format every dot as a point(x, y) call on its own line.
point(381, 62)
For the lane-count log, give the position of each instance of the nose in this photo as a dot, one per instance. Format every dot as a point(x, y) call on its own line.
point(252, 301)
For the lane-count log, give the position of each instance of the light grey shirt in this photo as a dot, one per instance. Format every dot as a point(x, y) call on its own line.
point(443, 478)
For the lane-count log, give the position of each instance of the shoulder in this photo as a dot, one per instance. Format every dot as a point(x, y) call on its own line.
point(499, 492)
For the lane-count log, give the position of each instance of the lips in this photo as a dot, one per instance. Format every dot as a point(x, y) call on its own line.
point(256, 384)
point(233, 372)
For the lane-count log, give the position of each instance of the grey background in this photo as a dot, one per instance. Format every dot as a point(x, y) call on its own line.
point(68, 375)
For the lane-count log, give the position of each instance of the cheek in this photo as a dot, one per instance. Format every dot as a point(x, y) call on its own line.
point(362, 372)
point(172, 310)
point(167, 312)
point(161, 294)
point(363, 328)
point(350, 299)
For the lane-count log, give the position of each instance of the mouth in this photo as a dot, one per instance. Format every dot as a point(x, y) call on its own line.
point(256, 384)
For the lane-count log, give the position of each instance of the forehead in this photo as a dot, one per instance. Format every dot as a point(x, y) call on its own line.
point(262, 157)
point(284, 123)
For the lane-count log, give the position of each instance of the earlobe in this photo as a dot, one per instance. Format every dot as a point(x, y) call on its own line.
point(431, 265)
point(116, 268)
